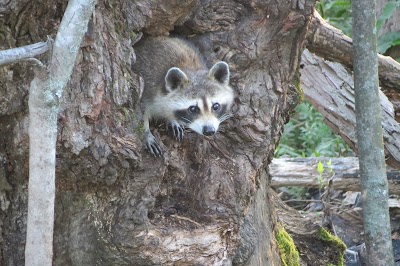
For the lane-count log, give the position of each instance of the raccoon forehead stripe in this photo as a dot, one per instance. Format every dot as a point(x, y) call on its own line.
point(205, 104)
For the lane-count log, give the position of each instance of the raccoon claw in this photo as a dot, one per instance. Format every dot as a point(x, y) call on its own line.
point(152, 145)
point(176, 130)
point(154, 149)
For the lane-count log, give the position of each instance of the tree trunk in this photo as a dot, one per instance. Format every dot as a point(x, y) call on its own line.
point(205, 202)
point(44, 102)
point(374, 186)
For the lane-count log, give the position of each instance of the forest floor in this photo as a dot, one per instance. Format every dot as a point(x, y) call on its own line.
point(302, 210)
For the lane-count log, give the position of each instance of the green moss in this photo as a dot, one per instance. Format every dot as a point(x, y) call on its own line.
point(297, 85)
point(335, 241)
point(139, 129)
point(289, 253)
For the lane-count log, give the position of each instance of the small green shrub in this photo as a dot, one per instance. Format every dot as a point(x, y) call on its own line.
point(306, 135)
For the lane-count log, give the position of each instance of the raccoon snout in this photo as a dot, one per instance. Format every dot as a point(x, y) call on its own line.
point(208, 130)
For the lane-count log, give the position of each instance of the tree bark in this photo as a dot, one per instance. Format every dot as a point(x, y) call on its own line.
point(374, 188)
point(330, 43)
point(206, 202)
point(44, 94)
point(329, 87)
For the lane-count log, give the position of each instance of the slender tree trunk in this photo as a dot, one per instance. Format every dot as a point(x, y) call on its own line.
point(44, 101)
point(369, 135)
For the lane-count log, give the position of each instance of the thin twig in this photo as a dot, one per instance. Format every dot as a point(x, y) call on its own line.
point(15, 55)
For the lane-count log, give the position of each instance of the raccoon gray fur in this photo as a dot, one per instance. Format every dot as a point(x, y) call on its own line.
point(179, 88)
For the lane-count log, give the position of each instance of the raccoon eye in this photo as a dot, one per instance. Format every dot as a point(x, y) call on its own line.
point(216, 106)
point(193, 109)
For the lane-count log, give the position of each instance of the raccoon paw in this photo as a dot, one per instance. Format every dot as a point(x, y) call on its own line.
point(176, 130)
point(152, 145)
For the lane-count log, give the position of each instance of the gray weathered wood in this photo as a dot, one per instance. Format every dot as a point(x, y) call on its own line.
point(331, 44)
point(302, 172)
point(330, 89)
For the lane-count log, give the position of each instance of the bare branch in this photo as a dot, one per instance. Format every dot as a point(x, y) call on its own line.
point(23, 53)
point(68, 42)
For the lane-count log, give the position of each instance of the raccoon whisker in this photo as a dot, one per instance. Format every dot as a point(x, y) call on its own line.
point(186, 120)
point(224, 117)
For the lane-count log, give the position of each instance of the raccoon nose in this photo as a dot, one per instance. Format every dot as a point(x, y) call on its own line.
point(208, 130)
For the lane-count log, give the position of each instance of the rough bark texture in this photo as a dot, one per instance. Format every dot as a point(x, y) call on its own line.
point(206, 202)
point(330, 43)
point(329, 87)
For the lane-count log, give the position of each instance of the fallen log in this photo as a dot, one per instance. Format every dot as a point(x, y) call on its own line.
point(329, 87)
point(344, 172)
point(330, 43)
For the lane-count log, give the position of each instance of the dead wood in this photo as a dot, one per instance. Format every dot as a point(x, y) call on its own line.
point(304, 229)
point(329, 88)
point(331, 44)
point(344, 173)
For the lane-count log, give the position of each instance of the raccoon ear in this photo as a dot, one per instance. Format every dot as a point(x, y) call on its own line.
point(174, 79)
point(220, 72)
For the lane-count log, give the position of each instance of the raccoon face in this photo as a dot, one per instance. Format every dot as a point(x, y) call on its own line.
point(205, 114)
point(203, 105)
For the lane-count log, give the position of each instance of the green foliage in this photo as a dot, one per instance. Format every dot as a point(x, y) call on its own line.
point(321, 170)
point(306, 135)
point(387, 12)
point(388, 40)
point(338, 14)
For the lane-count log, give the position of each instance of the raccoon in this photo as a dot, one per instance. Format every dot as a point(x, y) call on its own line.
point(180, 89)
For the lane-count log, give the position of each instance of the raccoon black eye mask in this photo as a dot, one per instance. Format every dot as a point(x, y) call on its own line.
point(181, 90)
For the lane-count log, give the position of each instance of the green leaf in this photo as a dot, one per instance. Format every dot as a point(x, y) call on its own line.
point(320, 168)
point(387, 12)
point(388, 40)
point(329, 164)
